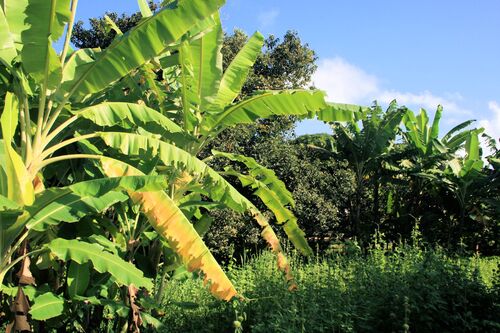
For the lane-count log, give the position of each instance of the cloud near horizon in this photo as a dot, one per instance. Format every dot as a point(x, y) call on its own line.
point(344, 82)
point(492, 127)
point(347, 83)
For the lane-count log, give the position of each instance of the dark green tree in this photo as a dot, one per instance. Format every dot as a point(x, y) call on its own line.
point(98, 34)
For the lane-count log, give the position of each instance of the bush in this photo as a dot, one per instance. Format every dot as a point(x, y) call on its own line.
point(404, 290)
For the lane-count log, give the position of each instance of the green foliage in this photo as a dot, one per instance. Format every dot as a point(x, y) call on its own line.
point(320, 188)
point(285, 63)
point(102, 261)
point(83, 109)
point(47, 306)
point(404, 289)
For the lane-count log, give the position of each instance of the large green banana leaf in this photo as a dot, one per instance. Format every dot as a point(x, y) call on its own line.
point(206, 60)
point(339, 112)
point(263, 105)
point(458, 128)
point(47, 305)
point(217, 187)
point(15, 13)
point(7, 47)
point(123, 272)
point(46, 20)
point(236, 73)
point(131, 116)
point(78, 278)
point(434, 132)
point(145, 41)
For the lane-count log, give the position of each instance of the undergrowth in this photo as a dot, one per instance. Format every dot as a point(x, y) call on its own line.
point(404, 288)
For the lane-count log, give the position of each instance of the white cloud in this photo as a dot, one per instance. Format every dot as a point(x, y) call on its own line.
point(425, 100)
point(268, 18)
point(344, 82)
point(492, 127)
point(347, 83)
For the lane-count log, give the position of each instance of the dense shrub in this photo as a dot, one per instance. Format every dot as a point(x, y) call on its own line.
point(404, 290)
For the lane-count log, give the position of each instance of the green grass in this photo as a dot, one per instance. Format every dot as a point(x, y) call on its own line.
point(404, 290)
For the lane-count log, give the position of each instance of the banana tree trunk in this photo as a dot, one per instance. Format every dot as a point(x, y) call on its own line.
point(376, 199)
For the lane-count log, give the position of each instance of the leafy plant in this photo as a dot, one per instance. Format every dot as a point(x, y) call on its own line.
point(82, 103)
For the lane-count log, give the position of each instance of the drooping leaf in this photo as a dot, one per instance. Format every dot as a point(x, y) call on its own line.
point(219, 189)
point(275, 203)
point(262, 174)
point(123, 272)
point(298, 103)
point(455, 129)
point(456, 141)
point(169, 221)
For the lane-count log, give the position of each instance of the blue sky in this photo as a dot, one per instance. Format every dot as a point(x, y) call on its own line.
point(422, 53)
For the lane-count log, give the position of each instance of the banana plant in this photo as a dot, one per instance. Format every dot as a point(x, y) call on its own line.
point(45, 94)
point(190, 87)
point(424, 150)
point(463, 174)
point(423, 137)
point(366, 147)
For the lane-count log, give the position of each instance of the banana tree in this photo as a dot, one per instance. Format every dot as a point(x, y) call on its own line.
point(423, 137)
point(472, 188)
point(365, 147)
point(190, 87)
point(424, 150)
point(45, 94)
point(462, 174)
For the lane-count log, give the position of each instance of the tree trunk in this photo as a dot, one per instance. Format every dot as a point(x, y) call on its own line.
point(376, 199)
